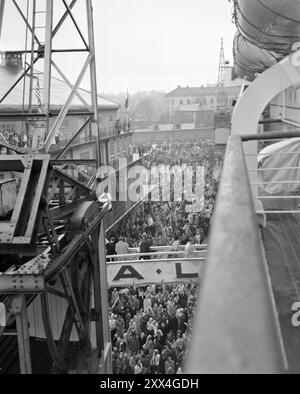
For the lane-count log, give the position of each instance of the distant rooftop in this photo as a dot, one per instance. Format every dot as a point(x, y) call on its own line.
point(203, 90)
point(191, 91)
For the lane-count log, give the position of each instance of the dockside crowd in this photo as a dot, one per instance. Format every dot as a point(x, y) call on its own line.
point(151, 326)
point(167, 221)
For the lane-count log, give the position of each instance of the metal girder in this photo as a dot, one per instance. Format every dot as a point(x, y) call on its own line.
point(75, 24)
point(21, 284)
point(59, 120)
point(64, 77)
point(2, 5)
point(75, 245)
point(34, 278)
point(26, 22)
point(79, 132)
point(45, 51)
point(72, 181)
point(21, 226)
point(66, 210)
point(107, 345)
point(93, 75)
point(76, 162)
point(48, 59)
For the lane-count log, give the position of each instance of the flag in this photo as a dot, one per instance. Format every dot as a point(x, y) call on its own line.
point(38, 92)
point(127, 102)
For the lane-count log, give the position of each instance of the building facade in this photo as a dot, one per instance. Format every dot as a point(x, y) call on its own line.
point(198, 104)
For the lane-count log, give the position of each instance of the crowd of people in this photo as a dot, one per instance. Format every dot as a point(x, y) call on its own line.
point(14, 139)
point(165, 222)
point(151, 328)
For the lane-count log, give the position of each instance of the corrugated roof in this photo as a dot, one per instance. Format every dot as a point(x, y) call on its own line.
point(59, 92)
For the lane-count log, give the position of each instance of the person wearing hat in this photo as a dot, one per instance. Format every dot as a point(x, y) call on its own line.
point(145, 246)
point(154, 363)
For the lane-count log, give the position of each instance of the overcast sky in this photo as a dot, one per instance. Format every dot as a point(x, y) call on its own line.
point(146, 44)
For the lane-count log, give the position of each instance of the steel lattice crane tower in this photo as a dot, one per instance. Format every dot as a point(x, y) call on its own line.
point(222, 97)
point(54, 226)
point(222, 114)
point(41, 47)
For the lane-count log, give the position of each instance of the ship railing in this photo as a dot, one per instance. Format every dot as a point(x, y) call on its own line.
point(286, 200)
point(161, 253)
point(236, 328)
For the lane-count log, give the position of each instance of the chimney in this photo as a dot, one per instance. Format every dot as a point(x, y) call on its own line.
point(11, 61)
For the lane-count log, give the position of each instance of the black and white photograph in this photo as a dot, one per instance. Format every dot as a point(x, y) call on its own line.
point(149, 190)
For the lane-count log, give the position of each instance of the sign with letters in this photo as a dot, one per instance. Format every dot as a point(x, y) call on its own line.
point(144, 273)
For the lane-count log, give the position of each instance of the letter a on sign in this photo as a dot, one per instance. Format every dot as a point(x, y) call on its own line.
point(182, 275)
point(127, 272)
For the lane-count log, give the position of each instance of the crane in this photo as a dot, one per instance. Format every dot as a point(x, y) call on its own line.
point(222, 114)
point(222, 96)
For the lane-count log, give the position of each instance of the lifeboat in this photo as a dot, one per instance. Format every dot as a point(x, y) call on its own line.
point(251, 60)
point(273, 25)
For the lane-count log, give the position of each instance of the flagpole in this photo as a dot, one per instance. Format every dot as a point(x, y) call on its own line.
point(127, 110)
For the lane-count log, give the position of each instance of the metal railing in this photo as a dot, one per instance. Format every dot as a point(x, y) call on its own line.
point(287, 179)
point(160, 253)
point(236, 327)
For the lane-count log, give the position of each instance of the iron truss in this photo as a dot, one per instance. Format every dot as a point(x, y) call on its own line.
point(52, 240)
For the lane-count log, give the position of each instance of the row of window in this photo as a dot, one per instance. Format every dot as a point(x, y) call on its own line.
point(294, 95)
point(85, 155)
point(203, 101)
point(113, 150)
point(111, 119)
point(8, 128)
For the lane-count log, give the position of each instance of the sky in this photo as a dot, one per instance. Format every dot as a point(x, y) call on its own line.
point(142, 44)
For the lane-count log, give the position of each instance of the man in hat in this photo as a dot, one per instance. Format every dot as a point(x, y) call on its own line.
point(145, 246)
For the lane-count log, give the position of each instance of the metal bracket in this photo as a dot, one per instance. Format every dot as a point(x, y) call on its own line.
point(21, 284)
point(27, 161)
point(7, 231)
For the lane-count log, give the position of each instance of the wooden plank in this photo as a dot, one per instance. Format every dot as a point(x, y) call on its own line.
point(21, 195)
point(24, 340)
point(37, 198)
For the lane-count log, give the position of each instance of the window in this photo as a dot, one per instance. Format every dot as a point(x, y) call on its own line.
point(118, 146)
point(111, 118)
point(65, 124)
point(188, 101)
point(112, 148)
point(84, 155)
point(181, 102)
point(8, 128)
point(212, 101)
